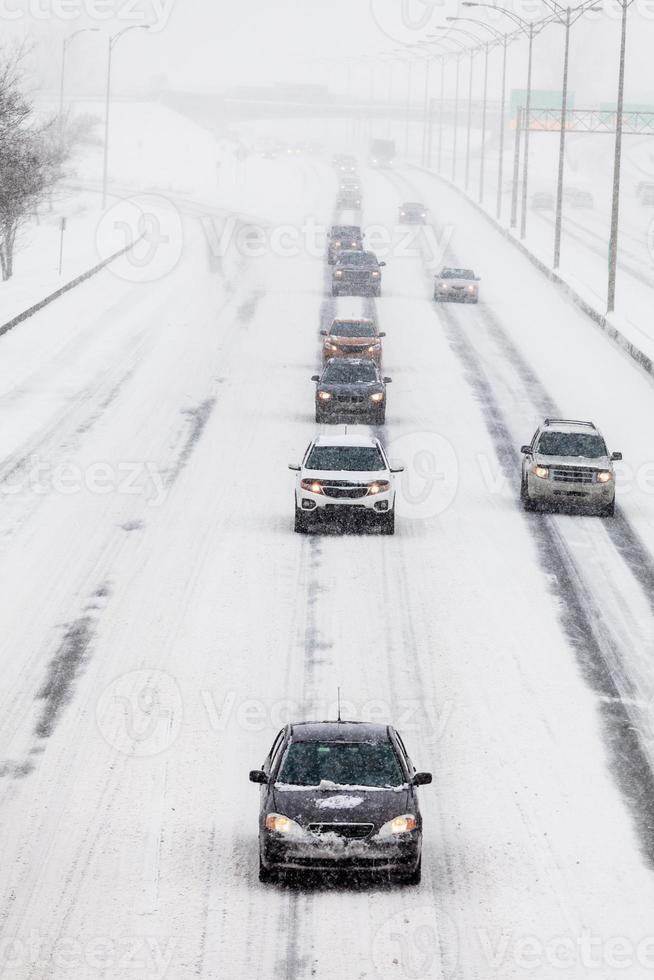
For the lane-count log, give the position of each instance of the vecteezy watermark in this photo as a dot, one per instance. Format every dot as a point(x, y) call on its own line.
point(153, 13)
point(532, 954)
point(309, 239)
point(430, 479)
point(141, 713)
point(149, 227)
point(43, 478)
point(416, 943)
point(141, 956)
point(401, 20)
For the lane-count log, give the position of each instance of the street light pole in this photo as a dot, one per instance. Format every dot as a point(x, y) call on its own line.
point(440, 116)
point(469, 123)
point(500, 165)
point(64, 51)
point(516, 167)
point(617, 161)
point(113, 40)
point(483, 126)
point(564, 122)
point(525, 157)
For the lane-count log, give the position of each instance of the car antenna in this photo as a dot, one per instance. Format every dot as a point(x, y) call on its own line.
point(345, 430)
point(339, 702)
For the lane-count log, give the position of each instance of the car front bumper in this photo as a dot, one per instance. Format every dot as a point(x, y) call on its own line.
point(314, 854)
point(320, 503)
point(591, 495)
point(456, 295)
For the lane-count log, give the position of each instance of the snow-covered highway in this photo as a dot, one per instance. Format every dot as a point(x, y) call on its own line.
point(161, 621)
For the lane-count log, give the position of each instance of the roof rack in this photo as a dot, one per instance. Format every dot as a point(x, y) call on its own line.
point(569, 422)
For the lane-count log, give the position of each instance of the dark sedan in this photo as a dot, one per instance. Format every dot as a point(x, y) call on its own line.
point(351, 389)
point(343, 238)
point(357, 274)
point(340, 796)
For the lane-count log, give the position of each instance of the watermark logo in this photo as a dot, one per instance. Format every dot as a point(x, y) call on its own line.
point(154, 14)
point(141, 713)
point(403, 20)
point(430, 479)
point(149, 228)
point(416, 943)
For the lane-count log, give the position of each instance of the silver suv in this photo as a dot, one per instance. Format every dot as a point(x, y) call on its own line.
point(567, 462)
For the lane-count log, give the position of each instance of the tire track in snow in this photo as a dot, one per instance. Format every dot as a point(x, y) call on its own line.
point(581, 615)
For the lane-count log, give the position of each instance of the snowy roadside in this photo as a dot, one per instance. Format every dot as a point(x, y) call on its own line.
point(620, 330)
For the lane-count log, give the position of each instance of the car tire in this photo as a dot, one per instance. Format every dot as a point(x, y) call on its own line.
point(414, 877)
point(387, 522)
point(266, 876)
point(335, 291)
point(608, 511)
point(301, 525)
point(379, 418)
point(377, 292)
point(437, 298)
point(527, 503)
point(321, 418)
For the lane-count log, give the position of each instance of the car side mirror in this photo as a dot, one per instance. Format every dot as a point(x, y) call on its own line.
point(382, 334)
point(381, 263)
point(387, 381)
point(477, 279)
point(422, 779)
point(294, 466)
point(315, 377)
point(616, 456)
point(525, 450)
point(258, 776)
point(323, 333)
point(397, 469)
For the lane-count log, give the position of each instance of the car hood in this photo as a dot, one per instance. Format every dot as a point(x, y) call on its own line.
point(346, 476)
point(575, 462)
point(457, 282)
point(352, 341)
point(343, 804)
point(354, 388)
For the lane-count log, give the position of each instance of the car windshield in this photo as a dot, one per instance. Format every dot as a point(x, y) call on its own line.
point(412, 205)
point(343, 763)
point(353, 328)
point(571, 444)
point(457, 274)
point(345, 231)
point(343, 371)
point(365, 259)
point(364, 459)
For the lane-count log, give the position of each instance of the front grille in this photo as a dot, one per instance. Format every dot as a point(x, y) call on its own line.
point(349, 399)
point(355, 349)
point(341, 491)
point(350, 831)
point(570, 475)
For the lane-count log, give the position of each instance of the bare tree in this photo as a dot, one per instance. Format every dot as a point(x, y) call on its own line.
point(32, 157)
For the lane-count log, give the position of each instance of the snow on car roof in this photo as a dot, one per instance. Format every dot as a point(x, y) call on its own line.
point(346, 731)
point(345, 439)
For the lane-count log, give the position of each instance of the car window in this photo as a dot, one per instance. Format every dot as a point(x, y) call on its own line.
point(342, 371)
point(364, 259)
point(274, 752)
point(372, 764)
point(353, 328)
point(584, 444)
point(364, 459)
point(457, 274)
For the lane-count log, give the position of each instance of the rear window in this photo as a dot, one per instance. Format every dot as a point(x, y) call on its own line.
point(364, 459)
point(571, 444)
point(457, 274)
point(353, 328)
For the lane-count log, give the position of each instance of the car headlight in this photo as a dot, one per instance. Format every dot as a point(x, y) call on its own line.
point(402, 214)
point(280, 824)
point(324, 396)
point(313, 486)
point(375, 275)
point(443, 285)
point(354, 244)
point(338, 275)
point(377, 397)
point(604, 476)
point(380, 486)
point(541, 471)
point(373, 348)
point(471, 289)
point(330, 346)
point(399, 825)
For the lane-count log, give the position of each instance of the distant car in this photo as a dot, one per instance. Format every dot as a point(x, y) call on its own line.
point(358, 338)
point(351, 390)
point(578, 198)
point(345, 476)
point(348, 197)
point(567, 462)
point(357, 273)
point(412, 213)
point(340, 796)
point(345, 163)
point(542, 201)
point(343, 238)
point(456, 286)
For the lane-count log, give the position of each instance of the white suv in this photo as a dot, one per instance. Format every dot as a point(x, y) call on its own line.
point(341, 474)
